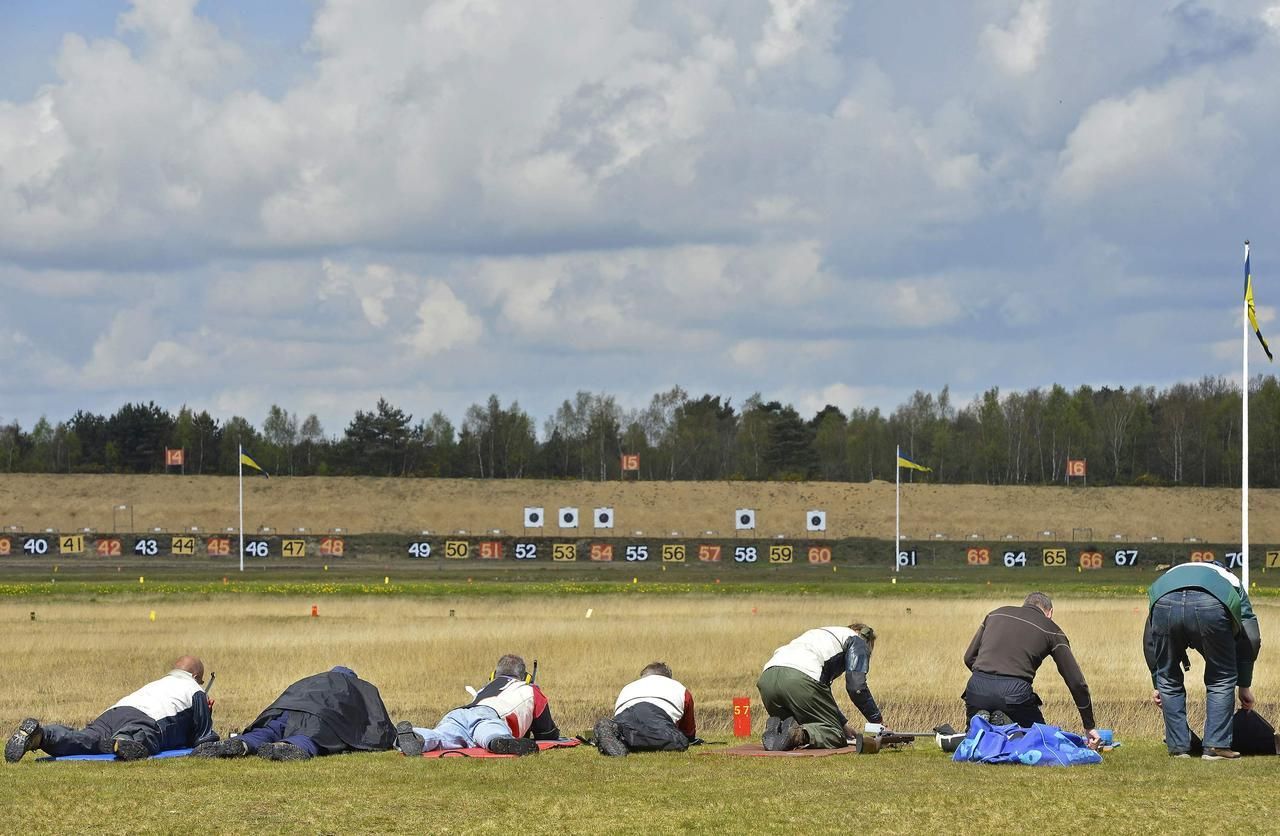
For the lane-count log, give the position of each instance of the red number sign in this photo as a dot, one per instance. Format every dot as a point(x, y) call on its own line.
point(1076, 467)
point(630, 461)
point(174, 458)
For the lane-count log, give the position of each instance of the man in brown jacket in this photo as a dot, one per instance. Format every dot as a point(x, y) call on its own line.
point(1004, 656)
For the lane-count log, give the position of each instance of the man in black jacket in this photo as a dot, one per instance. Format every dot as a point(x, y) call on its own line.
point(171, 713)
point(324, 714)
point(1004, 656)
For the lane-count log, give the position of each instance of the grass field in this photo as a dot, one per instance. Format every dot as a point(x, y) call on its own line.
point(82, 654)
point(421, 630)
point(366, 504)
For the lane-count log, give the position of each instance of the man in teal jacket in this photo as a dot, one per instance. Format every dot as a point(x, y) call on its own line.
point(1203, 607)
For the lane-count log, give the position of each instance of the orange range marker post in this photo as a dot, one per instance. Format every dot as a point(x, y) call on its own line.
point(741, 716)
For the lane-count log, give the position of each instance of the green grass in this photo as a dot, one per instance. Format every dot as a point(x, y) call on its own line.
point(1138, 789)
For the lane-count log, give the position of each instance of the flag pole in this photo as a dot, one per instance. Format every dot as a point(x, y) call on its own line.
point(1244, 441)
point(240, 473)
point(897, 506)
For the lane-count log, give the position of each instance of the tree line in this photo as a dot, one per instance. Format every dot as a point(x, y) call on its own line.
point(1186, 434)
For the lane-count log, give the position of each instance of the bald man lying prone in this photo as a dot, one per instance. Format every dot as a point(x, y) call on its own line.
point(170, 713)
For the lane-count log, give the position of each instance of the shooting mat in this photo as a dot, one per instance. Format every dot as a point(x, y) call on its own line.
point(168, 753)
point(543, 745)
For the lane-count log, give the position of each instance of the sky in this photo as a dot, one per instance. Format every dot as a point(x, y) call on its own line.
point(317, 203)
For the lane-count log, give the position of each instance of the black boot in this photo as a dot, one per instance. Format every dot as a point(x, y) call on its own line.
point(26, 738)
point(608, 739)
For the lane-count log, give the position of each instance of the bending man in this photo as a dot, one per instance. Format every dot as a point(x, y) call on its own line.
point(508, 716)
point(652, 714)
point(796, 688)
point(170, 713)
point(1204, 607)
point(324, 714)
point(1004, 656)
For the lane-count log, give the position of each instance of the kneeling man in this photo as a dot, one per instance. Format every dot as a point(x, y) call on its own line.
point(1003, 658)
point(652, 714)
point(508, 716)
point(171, 713)
point(325, 714)
point(796, 688)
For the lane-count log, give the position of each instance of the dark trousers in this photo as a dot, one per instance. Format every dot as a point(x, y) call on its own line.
point(646, 728)
point(96, 738)
point(286, 727)
point(993, 692)
point(1192, 619)
point(786, 692)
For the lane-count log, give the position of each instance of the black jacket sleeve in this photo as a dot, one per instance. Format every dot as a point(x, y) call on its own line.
point(971, 653)
point(201, 721)
point(857, 662)
point(543, 726)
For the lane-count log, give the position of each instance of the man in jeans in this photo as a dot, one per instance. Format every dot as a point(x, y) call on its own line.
point(1203, 607)
point(507, 717)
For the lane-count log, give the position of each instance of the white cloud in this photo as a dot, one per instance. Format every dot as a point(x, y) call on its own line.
point(1018, 47)
point(443, 322)
point(794, 26)
point(1136, 148)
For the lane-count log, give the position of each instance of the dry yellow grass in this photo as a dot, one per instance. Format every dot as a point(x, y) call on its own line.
point(365, 504)
point(79, 657)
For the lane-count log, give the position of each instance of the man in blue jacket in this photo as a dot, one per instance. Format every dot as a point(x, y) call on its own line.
point(171, 713)
point(1203, 607)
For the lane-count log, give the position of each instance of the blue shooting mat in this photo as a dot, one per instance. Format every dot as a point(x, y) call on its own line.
point(168, 753)
point(1039, 745)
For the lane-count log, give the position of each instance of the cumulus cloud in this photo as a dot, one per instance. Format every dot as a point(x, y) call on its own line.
point(1018, 47)
point(786, 196)
point(1174, 142)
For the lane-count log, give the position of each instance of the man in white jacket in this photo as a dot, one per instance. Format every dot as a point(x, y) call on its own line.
point(171, 713)
point(652, 714)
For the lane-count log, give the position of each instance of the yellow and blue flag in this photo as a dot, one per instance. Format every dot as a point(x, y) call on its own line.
point(1248, 303)
point(248, 462)
point(910, 465)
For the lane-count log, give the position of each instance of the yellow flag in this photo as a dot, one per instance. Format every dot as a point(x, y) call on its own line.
point(1248, 302)
point(910, 465)
point(245, 460)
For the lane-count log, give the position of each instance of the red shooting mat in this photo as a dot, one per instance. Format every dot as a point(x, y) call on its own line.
point(755, 750)
point(543, 745)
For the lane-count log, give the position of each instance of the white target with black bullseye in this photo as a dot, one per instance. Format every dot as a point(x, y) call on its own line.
point(568, 518)
point(744, 519)
point(534, 517)
point(603, 517)
point(815, 520)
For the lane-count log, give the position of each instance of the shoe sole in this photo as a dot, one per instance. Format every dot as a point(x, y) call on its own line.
point(517, 746)
point(608, 741)
point(408, 741)
point(130, 750)
point(17, 745)
point(288, 752)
